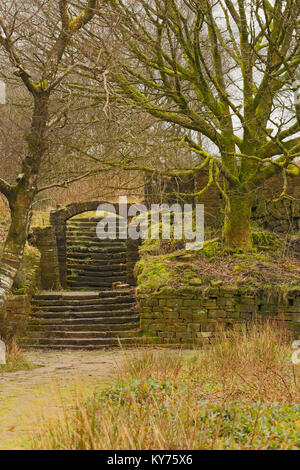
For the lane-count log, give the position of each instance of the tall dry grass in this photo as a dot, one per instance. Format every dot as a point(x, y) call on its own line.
point(242, 393)
point(15, 359)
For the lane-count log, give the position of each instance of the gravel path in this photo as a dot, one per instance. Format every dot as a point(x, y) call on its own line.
point(26, 396)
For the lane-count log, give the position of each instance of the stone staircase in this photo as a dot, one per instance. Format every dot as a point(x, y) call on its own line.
point(93, 263)
point(99, 309)
point(83, 320)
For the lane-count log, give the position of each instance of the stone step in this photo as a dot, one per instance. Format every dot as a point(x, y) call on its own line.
point(106, 265)
point(97, 277)
point(98, 267)
point(94, 275)
point(103, 257)
point(94, 223)
point(93, 240)
point(100, 284)
point(86, 307)
point(97, 259)
point(93, 250)
point(58, 295)
point(77, 325)
point(125, 299)
point(100, 275)
point(84, 286)
point(96, 319)
point(47, 347)
point(85, 314)
point(80, 342)
point(94, 281)
point(110, 321)
point(91, 231)
point(95, 219)
point(95, 243)
point(81, 295)
point(92, 237)
point(109, 226)
point(84, 334)
point(71, 233)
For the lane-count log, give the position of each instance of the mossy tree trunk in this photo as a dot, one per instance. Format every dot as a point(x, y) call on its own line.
point(15, 243)
point(20, 198)
point(237, 221)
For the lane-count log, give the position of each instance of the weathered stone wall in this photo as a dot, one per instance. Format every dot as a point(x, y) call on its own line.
point(281, 216)
point(191, 316)
point(132, 257)
point(15, 322)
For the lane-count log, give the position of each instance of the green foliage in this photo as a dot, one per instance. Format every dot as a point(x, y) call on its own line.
point(152, 273)
point(267, 240)
point(239, 425)
point(138, 390)
point(213, 248)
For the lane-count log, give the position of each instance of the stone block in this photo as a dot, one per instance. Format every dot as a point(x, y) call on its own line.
point(216, 313)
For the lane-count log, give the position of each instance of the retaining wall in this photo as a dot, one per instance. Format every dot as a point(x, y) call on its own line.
point(15, 322)
point(193, 315)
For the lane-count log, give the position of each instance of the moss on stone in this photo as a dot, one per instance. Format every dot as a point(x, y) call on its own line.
point(185, 270)
point(26, 278)
point(265, 239)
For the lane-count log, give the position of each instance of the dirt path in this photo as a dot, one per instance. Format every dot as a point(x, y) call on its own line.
point(26, 396)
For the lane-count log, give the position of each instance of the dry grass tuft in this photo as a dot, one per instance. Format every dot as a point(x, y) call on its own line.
point(15, 359)
point(243, 393)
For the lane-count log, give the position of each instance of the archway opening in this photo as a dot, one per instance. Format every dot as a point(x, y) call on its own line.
point(95, 257)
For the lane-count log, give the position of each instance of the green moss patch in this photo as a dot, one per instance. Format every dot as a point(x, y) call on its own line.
point(163, 264)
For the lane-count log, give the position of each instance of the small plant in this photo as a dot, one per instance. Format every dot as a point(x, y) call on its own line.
point(15, 359)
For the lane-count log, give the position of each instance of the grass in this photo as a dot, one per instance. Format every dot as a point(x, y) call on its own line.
point(242, 393)
point(15, 360)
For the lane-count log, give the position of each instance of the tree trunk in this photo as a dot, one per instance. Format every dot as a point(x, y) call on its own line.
point(20, 198)
point(237, 223)
point(20, 207)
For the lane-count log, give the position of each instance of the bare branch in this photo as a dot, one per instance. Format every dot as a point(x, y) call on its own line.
point(84, 17)
point(66, 183)
point(5, 188)
point(21, 72)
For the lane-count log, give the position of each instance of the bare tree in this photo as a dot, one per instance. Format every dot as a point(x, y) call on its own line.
point(224, 73)
point(50, 29)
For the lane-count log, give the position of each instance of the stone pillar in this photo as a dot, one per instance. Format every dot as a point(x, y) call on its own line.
point(15, 322)
point(44, 239)
point(58, 222)
point(132, 256)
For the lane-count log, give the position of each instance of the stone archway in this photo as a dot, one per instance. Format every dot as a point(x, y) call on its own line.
point(58, 221)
